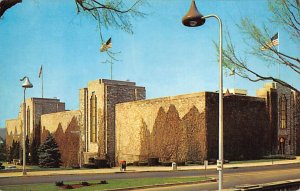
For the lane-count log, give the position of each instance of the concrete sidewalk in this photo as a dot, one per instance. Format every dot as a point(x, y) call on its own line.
point(142, 169)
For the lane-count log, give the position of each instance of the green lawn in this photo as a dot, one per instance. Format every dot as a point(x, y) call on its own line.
point(112, 184)
point(254, 161)
point(34, 167)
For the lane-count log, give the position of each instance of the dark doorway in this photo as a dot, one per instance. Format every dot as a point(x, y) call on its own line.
point(281, 145)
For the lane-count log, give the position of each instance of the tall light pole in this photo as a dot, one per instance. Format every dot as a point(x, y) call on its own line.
point(193, 19)
point(26, 84)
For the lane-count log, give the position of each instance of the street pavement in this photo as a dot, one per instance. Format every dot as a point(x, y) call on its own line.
point(233, 178)
point(129, 169)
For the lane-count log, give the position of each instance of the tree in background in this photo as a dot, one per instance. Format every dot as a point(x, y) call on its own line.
point(10, 153)
point(14, 151)
point(49, 155)
point(3, 151)
point(285, 13)
point(34, 158)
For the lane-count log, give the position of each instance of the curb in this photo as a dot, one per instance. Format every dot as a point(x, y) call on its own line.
point(69, 172)
point(162, 185)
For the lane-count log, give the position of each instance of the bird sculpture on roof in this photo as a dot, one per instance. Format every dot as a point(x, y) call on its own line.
point(105, 46)
point(232, 72)
point(23, 78)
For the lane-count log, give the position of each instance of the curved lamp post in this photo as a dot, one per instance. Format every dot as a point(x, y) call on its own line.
point(193, 19)
point(26, 84)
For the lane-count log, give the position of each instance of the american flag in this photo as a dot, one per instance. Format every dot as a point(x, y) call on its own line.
point(41, 71)
point(273, 42)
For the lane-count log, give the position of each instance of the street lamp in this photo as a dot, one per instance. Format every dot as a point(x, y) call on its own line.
point(26, 84)
point(193, 19)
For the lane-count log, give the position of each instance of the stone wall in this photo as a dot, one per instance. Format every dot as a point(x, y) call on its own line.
point(13, 131)
point(65, 128)
point(117, 93)
point(246, 127)
point(171, 129)
point(185, 128)
point(84, 117)
point(297, 122)
point(269, 93)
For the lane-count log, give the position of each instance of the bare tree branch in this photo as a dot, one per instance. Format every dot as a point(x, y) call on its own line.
point(232, 61)
point(287, 14)
point(7, 4)
point(263, 78)
point(112, 13)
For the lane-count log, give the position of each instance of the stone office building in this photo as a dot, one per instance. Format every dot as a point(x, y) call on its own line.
point(35, 108)
point(283, 106)
point(97, 105)
point(116, 122)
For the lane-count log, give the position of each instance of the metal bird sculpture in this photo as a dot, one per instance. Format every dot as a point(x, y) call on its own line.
point(105, 46)
point(232, 72)
point(23, 78)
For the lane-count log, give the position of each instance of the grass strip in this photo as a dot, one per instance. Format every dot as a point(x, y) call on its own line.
point(254, 161)
point(112, 184)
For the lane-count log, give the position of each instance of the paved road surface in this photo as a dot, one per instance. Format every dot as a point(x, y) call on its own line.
point(232, 177)
point(239, 178)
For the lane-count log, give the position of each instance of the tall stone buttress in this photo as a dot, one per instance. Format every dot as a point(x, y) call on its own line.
point(97, 105)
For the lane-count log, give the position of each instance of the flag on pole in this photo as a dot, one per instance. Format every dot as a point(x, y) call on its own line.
point(273, 42)
point(41, 71)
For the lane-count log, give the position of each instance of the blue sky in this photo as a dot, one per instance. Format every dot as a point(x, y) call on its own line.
point(162, 55)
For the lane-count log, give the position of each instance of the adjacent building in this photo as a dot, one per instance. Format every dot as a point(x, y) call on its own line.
point(283, 106)
point(35, 108)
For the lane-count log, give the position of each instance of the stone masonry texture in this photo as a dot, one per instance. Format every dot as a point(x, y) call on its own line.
point(171, 128)
point(283, 140)
point(65, 128)
point(246, 127)
point(35, 108)
point(107, 93)
point(185, 128)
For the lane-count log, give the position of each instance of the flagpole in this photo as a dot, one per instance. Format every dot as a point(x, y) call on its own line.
point(278, 67)
point(41, 74)
point(110, 68)
point(42, 84)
